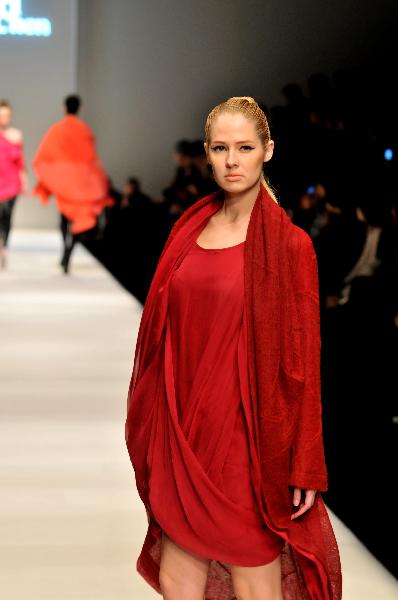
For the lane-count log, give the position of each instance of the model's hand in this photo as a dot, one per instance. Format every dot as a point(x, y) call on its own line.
point(306, 505)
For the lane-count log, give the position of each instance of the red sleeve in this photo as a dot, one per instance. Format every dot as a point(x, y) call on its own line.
point(308, 469)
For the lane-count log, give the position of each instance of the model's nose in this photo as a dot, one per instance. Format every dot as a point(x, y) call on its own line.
point(231, 159)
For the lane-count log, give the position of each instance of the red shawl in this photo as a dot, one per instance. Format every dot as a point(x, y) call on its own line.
point(67, 166)
point(281, 298)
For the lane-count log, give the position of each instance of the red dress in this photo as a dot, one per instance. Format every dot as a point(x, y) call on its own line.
point(11, 165)
point(203, 488)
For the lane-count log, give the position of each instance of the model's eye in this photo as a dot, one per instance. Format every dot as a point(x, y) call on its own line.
point(247, 148)
point(218, 148)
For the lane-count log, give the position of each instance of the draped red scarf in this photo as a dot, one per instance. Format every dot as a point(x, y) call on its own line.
point(282, 306)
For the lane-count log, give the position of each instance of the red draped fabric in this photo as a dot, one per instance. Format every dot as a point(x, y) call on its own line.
point(277, 349)
point(67, 166)
point(201, 489)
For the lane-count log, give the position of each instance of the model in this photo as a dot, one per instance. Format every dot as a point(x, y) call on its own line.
point(12, 174)
point(224, 423)
point(66, 165)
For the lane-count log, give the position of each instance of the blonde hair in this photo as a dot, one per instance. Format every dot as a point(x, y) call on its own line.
point(249, 108)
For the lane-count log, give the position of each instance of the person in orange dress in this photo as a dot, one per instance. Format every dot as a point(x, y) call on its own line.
point(67, 166)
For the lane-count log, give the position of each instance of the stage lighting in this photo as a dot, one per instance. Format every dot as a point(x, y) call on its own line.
point(388, 154)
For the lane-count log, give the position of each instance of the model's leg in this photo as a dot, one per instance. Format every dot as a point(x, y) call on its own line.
point(69, 242)
point(258, 583)
point(3, 255)
point(63, 225)
point(183, 575)
point(5, 225)
point(8, 217)
point(3, 219)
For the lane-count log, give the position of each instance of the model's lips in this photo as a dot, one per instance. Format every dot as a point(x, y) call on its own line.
point(233, 177)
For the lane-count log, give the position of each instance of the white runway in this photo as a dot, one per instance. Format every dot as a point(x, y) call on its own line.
point(71, 523)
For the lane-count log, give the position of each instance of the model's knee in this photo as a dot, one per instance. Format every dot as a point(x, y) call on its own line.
point(174, 587)
point(265, 591)
point(168, 584)
point(258, 583)
point(182, 574)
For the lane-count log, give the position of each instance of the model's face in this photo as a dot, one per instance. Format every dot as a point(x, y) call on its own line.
point(5, 117)
point(236, 153)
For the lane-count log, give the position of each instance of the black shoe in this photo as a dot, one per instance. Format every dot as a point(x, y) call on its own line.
point(65, 264)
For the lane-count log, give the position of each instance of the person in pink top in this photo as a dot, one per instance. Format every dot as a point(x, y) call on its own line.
point(12, 174)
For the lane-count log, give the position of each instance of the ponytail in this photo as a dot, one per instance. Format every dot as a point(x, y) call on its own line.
point(268, 187)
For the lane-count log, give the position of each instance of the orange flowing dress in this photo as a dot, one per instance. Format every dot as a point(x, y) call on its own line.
point(204, 486)
point(67, 166)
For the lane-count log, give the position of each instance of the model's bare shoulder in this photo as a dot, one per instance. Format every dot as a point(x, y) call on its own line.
point(14, 135)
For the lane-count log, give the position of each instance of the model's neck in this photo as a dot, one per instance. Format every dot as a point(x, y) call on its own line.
point(238, 206)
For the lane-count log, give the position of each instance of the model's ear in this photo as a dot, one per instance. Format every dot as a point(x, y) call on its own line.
point(269, 150)
point(206, 149)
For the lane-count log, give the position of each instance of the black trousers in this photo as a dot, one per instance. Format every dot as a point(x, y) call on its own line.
point(69, 242)
point(6, 208)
